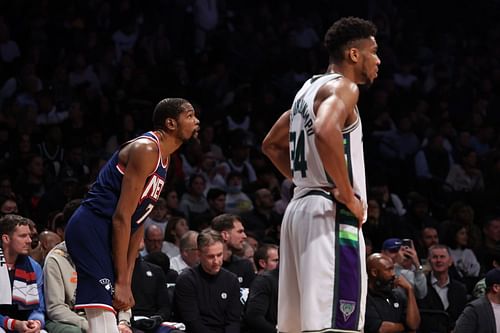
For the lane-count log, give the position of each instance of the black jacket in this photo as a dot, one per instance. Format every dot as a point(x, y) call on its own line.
point(261, 311)
point(457, 298)
point(208, 303)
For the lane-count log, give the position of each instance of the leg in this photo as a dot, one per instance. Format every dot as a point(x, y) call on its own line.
point(101, 321)
point(57, 327)
point(289, 288)
point(88, 241)
point(329, 266)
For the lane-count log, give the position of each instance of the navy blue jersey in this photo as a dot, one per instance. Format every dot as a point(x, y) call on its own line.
point(103, 196)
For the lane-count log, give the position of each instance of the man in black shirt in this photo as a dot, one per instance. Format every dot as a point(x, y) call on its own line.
point(152, 311)
point(385, 310)
point(233, 234)
point(207, 296)
point(261, 310)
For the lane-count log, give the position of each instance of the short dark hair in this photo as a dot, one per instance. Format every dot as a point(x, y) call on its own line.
point(160, 259)
point(224, 222)
point(171, 225)
point(208, 237)
point(167, 108)
point(261, 253)
point(214, 193)
point(9, 223)
point(68, 211)
point(345, 31)
point(451, 234)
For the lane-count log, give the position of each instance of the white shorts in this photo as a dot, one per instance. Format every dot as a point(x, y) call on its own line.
point(322, 280)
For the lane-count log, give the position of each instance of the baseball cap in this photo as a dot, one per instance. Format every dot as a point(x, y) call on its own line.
point(492, 277)
point(391, 244)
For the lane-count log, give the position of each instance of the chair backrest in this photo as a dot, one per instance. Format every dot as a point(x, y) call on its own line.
point(434, 321)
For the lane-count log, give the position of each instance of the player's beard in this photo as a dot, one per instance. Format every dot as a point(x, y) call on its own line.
point(384, 286)
point(192, 139)
point(368, 83)
point(187, 140)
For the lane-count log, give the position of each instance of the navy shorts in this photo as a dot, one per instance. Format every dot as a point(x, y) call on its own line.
point(88, 239)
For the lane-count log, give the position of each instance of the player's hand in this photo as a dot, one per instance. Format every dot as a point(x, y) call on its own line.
point(354, 205)
point(123, 298)
point(122, 328)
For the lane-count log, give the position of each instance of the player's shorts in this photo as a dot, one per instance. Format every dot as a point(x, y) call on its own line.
point(88, 239)
point(322, 280)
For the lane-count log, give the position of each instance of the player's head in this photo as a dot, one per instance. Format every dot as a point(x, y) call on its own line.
point(176, 116)
point(15, 234)
point(381, 272)
point(210, 247)
point(351, 40)
point(266, 257)
point(231, 229)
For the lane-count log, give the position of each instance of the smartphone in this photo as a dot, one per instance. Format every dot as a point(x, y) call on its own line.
point(407, 242)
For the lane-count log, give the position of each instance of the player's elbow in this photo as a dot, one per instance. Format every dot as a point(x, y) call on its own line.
point(268, 146)
point(119, 220)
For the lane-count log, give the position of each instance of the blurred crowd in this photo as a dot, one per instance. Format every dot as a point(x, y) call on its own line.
point(79, 78)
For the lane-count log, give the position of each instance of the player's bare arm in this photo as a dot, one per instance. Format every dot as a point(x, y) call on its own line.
point(334, 113)
point(133, 250)
point(276, 144)
point(140, 159)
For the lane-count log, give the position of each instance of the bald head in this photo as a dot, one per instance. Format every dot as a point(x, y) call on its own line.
point(48, 240)
point(376, 263)
point(153, 238)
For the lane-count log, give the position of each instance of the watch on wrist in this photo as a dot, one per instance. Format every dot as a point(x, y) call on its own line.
point(125, 322)
point(420, 268)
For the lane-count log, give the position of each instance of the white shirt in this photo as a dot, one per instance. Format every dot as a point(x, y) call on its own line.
point(171, 250)
point(496, 312)
point(178, 264)
point(442, 291)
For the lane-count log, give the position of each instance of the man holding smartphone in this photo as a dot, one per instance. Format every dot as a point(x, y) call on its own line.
point(406, 263)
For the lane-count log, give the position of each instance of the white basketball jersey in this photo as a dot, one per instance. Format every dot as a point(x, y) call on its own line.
point(306, 164)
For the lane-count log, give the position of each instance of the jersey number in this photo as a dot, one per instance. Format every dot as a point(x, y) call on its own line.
point(298, 153)
point(148, 210)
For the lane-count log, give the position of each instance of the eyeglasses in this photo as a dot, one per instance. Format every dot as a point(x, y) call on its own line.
point(155, 240)
point(394, 250)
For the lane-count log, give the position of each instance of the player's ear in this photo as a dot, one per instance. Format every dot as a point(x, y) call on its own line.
point(373, 272)
point(5, 238)
point(171, 124)
point(353, 54)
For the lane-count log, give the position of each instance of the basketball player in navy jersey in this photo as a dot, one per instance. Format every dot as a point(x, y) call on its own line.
point(318, 144)
point(103, 236)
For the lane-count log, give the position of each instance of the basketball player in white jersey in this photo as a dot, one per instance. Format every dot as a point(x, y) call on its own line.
point(318, 144)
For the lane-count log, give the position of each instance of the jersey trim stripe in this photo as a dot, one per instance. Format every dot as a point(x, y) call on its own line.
point(155, 140)
point(355, 124)
point(95, 306)
point(348, 158)
point(347, 302)
point(120, 169)
point(165, 165)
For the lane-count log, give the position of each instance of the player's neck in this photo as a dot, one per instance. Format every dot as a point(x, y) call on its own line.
point(10, 258)
point(343, 70)
point(168, 143)
point(226, 256)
